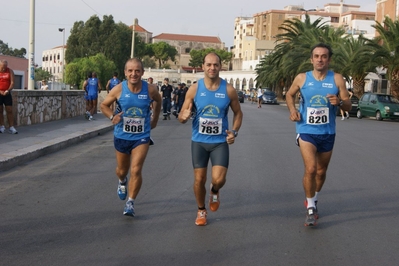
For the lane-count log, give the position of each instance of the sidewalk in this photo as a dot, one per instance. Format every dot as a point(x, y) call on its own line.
point(37, 140)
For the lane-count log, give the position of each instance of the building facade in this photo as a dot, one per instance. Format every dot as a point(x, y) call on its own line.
point(184, 44)
point(53, 62)
point(389, 8)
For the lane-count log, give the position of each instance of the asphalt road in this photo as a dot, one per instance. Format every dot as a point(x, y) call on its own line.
point(62, 209)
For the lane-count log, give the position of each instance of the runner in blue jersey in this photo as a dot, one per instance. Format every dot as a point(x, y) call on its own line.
point(212, 98)
point(93, 87)
point(132, 128)
point(112, 82)
point(322, 92)
point(85, 88)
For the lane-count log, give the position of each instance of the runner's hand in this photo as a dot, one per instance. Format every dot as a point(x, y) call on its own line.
point(117, 118)
point(230, 137)
point(184, 115)
point(295, 116)
point(334, 100)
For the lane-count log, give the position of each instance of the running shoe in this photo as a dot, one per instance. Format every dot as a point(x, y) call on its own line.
point(316, 211)
point(129, 208)
point(12, 130)
point(214, 200)
point(2, 129)
point(87, 115)
point(310, 219)
point(201, 217)
point(91, 118)
point(122, 190)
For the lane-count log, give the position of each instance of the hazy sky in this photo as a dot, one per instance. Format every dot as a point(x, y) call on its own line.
point(205, 17)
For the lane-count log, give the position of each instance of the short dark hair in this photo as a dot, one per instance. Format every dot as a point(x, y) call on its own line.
point(220, 59)
point(115, 74)
point(134, 59)
point(322, 45)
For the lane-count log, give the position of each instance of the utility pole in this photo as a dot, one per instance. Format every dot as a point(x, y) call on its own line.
point(31, 70)
point(135, 22)
point(63, 55)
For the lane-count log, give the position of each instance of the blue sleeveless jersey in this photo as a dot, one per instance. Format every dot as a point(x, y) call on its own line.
point(136, 117)
point(317, 114)
point(92, 86)
point(211, 122)
point(113, 82)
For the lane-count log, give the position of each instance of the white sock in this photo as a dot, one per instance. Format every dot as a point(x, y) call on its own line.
point(311, 202)
point(130, 199)
point(315, 196)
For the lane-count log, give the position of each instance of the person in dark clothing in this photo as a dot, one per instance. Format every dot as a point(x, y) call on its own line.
point(166, 93)
point(180, 96)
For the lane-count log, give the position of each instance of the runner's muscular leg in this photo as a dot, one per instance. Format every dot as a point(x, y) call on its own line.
point(218, 176)
point(138, 156)
point(199, 186)
point(122, 165)
point(323, 159)
point(308, 151)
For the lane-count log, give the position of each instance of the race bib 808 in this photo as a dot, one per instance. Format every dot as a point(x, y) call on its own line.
point(133, 125)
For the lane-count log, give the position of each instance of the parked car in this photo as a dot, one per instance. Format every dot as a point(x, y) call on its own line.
point(269, 97)
point(380, 106)
point(240, 96)
point(353, 111)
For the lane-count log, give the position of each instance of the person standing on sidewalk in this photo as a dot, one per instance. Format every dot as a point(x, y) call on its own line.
point(132, 128)
point(322, 92)
point(6, 85)
point(211, 136)
point(166, 92)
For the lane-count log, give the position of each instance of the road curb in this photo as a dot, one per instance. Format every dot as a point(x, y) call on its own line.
point(21, 156)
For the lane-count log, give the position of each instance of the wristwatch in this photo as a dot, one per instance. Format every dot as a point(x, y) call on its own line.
point(235, 133)
point(341, 103)
point(111, 117)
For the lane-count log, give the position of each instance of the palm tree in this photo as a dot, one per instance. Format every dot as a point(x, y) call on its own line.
point(387, 51)
point(354, 58)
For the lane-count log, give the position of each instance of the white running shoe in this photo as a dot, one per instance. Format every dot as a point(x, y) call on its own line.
point(2, 129)
point(12, 130)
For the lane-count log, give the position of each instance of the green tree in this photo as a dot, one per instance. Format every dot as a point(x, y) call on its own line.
point(386, 45)
point(162, 52)
point(41, 74)
point(353, 55)
point(6, 50)
point(111, 39)
point(197, 56)
point(76, 72)
point(148, 62)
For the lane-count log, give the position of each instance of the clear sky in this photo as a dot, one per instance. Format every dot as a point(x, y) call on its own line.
point(205, 17)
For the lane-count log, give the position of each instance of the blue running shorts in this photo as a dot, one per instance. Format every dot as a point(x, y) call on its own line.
point(323, 143)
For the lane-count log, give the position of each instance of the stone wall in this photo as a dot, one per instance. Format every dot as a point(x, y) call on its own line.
point(34, 106)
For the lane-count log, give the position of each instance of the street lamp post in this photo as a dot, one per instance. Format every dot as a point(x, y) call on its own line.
point(63, 54)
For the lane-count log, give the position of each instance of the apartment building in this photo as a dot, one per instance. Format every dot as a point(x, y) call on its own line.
point(184, 44)
point(256, 37)
point(388, 8)
point(53, 60)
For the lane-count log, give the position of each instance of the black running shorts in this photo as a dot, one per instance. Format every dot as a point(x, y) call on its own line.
point(217, 152)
